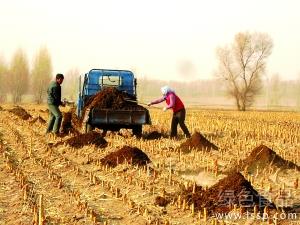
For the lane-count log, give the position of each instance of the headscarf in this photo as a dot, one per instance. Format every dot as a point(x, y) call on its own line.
point(166, 89)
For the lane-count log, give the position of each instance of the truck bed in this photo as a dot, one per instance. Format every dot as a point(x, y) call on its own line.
point(133, 116)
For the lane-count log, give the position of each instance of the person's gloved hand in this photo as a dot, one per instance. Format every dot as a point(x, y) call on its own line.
point(165, 109)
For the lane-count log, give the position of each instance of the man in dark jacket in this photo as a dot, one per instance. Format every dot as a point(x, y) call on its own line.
point(54, 101)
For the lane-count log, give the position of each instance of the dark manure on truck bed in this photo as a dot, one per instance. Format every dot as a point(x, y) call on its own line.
point(197, 141)
point(20, 112)
point(132, 155)
point(110, 98)
point(221, 197)
point(91, 138)
point(113, 99)
point(262, 157)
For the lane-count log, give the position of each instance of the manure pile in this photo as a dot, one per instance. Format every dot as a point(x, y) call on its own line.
point(197, 141)
point(229, 191)
point(161, 201)
point(91, 138)
point(20, 112)
point(110, 98)
point(261, 157)
point(132, 155)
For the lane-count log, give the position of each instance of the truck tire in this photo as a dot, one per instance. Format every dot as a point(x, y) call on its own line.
point(137, 130)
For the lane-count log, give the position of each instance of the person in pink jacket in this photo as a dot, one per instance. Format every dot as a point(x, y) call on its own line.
point(174, 103)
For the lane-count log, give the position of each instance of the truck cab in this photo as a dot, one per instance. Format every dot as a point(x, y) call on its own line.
point(97, 79)
point(108, 119)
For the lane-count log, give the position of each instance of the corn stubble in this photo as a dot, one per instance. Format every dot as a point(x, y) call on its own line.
point(68, 182)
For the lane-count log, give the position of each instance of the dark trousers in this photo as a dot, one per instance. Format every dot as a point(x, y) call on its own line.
point(55, 118)
point(178, 118)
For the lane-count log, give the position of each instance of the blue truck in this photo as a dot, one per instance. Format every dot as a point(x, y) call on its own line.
point(95, 81)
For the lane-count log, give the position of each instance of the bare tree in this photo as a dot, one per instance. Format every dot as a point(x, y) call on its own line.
point(41, 74)
point(70, 85)
point(19, 75)
point(242, 64)
point(3, 79)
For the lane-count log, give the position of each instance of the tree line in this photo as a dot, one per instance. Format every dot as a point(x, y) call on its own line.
point(17, 78)
point(274, 92)
point(241, 75)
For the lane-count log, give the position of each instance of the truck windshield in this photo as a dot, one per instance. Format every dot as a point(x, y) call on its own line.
point(110, 80)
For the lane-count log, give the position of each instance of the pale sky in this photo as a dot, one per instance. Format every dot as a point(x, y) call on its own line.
point(152, 38)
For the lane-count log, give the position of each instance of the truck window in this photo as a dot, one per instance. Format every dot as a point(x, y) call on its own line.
point(110, 80)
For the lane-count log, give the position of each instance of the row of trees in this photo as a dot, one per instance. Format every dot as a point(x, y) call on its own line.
point(240, 74)
point(17, 79)
point(242, 66)
point(274, 93)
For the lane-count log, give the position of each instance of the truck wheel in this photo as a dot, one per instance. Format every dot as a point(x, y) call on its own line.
point(137, 130)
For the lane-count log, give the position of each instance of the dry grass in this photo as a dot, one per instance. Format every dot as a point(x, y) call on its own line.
point(77, 189)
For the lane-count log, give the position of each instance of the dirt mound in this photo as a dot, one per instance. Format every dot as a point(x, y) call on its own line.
point(153, 135)
point(38, 119)
point(197, 141)
point(262, 157)
point(110, 98)
point(161, 201)
point(133, 156)
point(20, 112)
point(85, 139)
point(221, 197)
